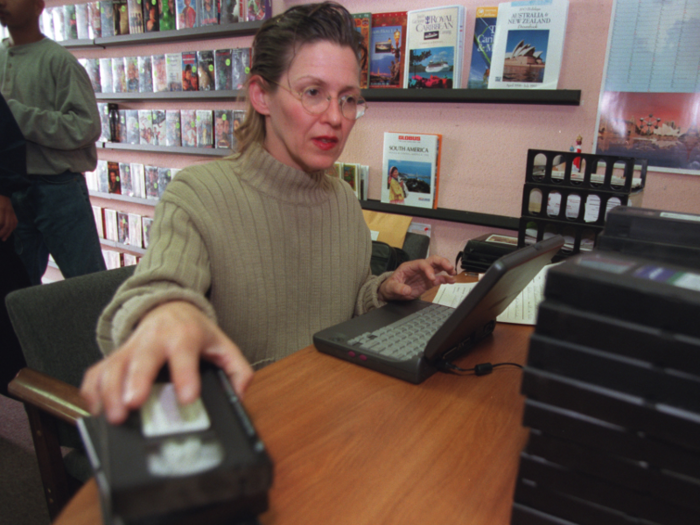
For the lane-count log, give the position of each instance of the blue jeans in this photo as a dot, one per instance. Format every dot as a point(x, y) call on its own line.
point(55, 216)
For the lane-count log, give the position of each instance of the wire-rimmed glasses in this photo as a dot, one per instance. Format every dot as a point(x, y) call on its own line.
point(316, 100)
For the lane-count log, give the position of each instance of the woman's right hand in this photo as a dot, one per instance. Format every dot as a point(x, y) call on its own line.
point(176, 333)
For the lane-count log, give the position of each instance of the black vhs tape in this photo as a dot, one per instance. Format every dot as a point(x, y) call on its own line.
point(642, 291)
point(524, 515)
point(638, 476)
point(632, 376)
point(534, 501)
point(669, 424)
point(601, 492)
point(608, 438)
point(166, 464)
point(647, 343)
point(653, 234)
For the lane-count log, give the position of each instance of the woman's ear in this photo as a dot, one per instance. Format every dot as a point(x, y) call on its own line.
point(258, 95)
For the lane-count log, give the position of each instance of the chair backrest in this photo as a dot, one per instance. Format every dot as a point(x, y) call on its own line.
point(55, 323)
point(416, 245)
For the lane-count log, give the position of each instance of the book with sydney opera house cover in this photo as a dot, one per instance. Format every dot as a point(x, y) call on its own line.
point(528, 44)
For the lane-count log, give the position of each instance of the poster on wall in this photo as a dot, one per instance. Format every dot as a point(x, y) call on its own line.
point(650, 99)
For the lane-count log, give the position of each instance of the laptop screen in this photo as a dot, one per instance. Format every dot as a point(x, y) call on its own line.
point(475, 317)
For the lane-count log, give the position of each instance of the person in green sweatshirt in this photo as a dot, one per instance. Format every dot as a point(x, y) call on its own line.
point(51, 98)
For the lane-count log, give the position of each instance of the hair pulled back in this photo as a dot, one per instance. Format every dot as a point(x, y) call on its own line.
point(276, 44)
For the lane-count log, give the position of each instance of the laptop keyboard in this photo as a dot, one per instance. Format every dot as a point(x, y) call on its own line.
point(407, 337)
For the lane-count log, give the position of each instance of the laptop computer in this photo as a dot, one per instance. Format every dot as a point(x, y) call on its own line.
point(409, 339)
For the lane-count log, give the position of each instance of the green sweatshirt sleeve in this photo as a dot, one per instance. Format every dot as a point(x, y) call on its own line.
point(75, 121)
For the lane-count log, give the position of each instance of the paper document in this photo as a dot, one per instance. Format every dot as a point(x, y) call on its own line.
point(523, 309)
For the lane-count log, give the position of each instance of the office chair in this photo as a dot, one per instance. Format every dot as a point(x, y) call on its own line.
point(416, 245)
point(55, 324)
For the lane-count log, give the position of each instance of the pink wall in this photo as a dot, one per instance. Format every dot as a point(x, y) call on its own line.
point(485, 145)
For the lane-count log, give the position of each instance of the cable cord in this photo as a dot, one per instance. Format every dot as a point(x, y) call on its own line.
point(481, 369)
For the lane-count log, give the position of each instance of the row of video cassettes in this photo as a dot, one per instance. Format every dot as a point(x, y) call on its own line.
point(612, 388)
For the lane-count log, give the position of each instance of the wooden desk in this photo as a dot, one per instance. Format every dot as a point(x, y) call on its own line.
point(352, 446)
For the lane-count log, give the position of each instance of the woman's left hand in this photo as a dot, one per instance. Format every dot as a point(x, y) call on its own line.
point(413, 278)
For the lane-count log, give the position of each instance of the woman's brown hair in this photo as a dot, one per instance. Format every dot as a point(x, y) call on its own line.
point(276, 44)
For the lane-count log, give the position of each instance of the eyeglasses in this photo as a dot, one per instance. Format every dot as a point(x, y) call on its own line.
point(316, 100)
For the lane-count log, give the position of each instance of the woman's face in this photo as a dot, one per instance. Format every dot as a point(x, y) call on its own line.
point(296, 137)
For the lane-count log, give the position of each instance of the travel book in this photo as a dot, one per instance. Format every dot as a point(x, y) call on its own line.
point(528, 44)
point(363, 24)
point(387, 50)
point(435, 48)
point(350, 173)
point(411, 169)
point(482, 46)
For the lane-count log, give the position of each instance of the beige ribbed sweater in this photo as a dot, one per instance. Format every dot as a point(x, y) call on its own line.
point(272, 253)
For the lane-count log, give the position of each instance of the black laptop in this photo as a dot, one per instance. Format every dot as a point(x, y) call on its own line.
point(409, 339)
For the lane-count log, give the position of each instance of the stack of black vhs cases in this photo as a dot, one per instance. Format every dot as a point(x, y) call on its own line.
point(612, 388)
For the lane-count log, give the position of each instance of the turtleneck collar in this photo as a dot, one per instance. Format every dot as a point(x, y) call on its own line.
point(268, 175)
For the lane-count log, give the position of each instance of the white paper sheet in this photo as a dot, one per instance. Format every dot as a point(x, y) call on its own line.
point(523, 309)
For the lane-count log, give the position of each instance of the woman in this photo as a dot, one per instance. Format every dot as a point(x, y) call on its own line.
point(262, 248)
point(397, 190)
